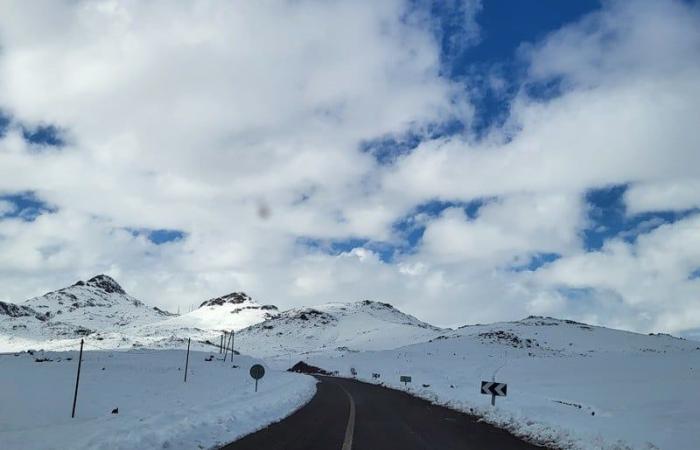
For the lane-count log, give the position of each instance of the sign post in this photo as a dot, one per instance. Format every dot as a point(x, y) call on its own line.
point(405, 380)
point(494, 390)
point(257, 371)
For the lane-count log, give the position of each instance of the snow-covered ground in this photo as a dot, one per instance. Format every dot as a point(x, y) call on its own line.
point(156, 408)
point(334, 328)
point(570, 385)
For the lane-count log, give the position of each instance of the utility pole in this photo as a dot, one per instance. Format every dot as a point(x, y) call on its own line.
point(77, 380)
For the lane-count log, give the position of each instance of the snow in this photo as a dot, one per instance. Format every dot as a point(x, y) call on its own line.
point(100, 311)
point(232, 312)
point(572, 385)
point(156, 408)
point(97, 304)
point(334, 328)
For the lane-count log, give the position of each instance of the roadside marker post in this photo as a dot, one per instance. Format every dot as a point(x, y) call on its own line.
point(77, 380)
point(187, 359)
point(233, 341)
point(257, 371)
point(405, 380)
point(494, 390)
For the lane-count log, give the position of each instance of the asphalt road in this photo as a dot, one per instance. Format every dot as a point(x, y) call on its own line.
point(346, 414)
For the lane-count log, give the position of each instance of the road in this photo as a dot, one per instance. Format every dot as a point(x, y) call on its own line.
point(347, 414)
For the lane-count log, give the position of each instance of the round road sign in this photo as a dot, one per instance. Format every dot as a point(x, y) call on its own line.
point(257, 371)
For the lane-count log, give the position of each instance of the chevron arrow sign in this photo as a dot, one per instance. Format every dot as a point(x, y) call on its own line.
point(493, 388)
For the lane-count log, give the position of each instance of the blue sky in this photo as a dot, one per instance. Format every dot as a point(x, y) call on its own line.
point(464, 160)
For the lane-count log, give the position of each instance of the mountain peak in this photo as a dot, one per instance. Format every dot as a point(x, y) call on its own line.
point(376, 304)
point(234, 298)
point(105, 283)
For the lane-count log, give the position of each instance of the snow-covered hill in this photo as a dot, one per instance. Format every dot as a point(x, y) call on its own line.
point(570, 384)
point(21, 327)
point(98, 304)
point(335, 328)
point(234, 311)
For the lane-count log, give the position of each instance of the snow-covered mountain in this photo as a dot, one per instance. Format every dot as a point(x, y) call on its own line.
point(98, 304)
point(570, 385)
point(101, 311)
point(335, 327)
point(88, 309)
point(234, 311)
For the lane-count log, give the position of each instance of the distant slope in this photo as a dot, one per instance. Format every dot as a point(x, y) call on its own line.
point(334, 328)
point(550, 336)
point(234, 311)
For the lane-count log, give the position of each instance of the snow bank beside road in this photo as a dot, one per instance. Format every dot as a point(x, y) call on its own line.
point(156, 408)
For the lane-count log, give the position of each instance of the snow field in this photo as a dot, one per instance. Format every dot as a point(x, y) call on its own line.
point(156, 408)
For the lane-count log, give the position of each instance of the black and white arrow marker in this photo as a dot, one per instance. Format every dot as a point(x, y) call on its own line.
point(494, 390)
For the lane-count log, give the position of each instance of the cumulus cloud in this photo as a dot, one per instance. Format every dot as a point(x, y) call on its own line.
point(506, 230)
point(653, 276)
point(190, 116)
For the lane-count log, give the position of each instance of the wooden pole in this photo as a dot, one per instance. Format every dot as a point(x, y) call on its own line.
point(233, 341)
point(77, 379)
point(187, 359)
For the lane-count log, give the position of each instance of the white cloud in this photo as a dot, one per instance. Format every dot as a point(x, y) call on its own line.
point(674, 195)
point(507, 231)
point(650, 275)
point(191, 115)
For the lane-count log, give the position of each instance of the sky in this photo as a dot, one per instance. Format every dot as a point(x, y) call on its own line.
point(467, 161)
